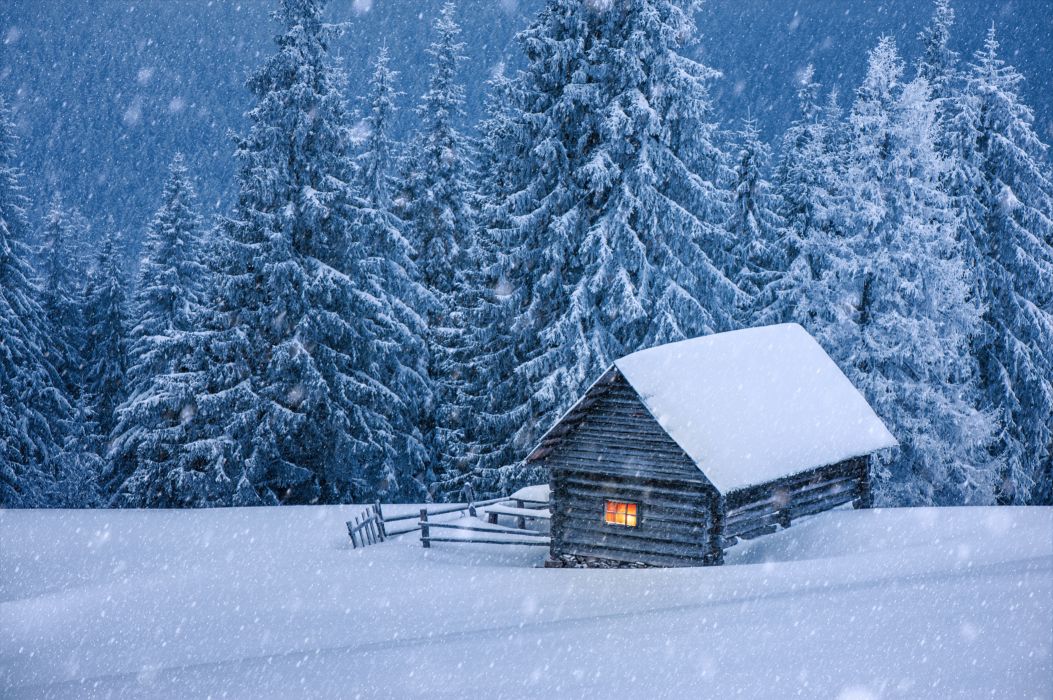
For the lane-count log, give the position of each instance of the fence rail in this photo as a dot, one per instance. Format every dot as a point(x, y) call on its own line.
point(514, 536)
point(447, 509)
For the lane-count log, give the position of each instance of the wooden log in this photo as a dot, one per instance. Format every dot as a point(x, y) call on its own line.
point(603, 465)
point(768, 521)
point(671, 486)
point(599, 532)
point(813, 507)
point(424, 531)
point(767, 530)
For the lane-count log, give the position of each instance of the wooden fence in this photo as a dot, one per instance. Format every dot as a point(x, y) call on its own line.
point(371, 527)
point(367, 528)
point(513, 535)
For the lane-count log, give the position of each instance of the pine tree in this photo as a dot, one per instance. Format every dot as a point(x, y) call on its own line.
point(939, 65)
point(617, 207)
point(938, 62)
point(32, 403)
point(172, 278)
point(491, 390)
point(150, 440)
point(911, 313)
point(756, 228)
point(396, 337)
point(102, 383)
point(292, 285)
point(80, 464)
point(803, 188)
point(61, 293)
point(1005, 189)
point(435, 203)
point(104, 378)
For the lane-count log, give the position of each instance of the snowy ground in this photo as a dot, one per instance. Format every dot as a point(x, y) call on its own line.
point(266, 603)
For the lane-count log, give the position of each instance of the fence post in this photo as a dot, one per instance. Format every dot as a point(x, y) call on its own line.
point(380, 521)
point(351, 533)
point(424, 531)
point(520, 520)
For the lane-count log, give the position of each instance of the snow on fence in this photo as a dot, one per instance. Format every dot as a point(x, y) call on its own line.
point(479, 532)
point(367, 528)
point(526, 505)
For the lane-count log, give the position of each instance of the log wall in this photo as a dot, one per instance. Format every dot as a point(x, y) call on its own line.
point(757, 510)
point(615, 450)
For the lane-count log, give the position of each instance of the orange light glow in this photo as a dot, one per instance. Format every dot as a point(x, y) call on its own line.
point(619, 513)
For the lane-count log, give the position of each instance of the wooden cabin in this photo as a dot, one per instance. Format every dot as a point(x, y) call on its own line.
point(677, 451)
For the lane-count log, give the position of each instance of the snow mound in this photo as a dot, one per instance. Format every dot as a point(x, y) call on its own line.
point(754, 405)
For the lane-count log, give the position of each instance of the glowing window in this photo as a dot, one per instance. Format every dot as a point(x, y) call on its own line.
point(619, 513)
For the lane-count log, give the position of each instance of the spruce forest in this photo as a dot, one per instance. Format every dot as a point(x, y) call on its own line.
point(390, 316)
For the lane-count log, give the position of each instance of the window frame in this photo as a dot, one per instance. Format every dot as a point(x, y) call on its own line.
point(610, 517)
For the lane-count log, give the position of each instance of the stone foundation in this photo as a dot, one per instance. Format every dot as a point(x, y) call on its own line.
point(576, 561)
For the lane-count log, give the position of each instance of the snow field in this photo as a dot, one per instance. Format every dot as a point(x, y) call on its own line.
point(272, 602)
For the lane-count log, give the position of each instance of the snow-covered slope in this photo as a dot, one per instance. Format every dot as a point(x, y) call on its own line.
point(267, 603)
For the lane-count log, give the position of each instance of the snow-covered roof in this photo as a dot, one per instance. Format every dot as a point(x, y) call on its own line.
point(755, 405)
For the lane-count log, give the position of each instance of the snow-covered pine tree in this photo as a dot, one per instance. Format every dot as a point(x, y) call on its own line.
point(104, 376)
point(172, 279)
point(755, 227)
point(33, 405)
point(907, 290)
point(102, 381)
point(617, 208)
point(490, 390)
point(435, 202)
point(657, 256)
point(168, 450)
point(80, 466)
point(166, 312)
point(1005, 180)
point(62, 284)
point(395, 338)
point(293, 284)
point(937, 63)
point(802, 189)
